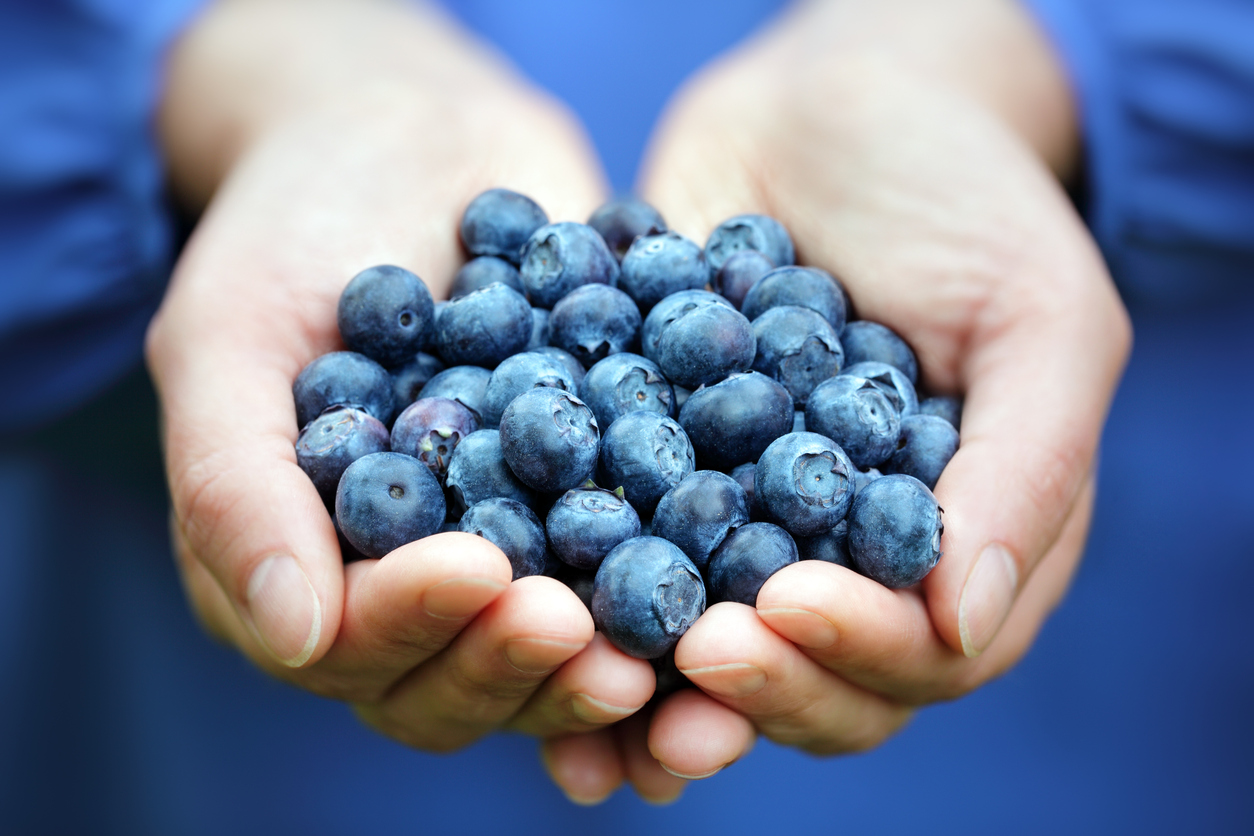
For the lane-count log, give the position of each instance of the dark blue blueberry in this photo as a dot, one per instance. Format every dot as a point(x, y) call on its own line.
point(669, 678)
point(891, 380)
point(749, 232)
point(646, 595)
point(343, 378)
point(567, 359)
point(658, 265)
point(798, 420)
point(858, 415)
point(430, 429)
point(895, 531)
point(539, 329)
point(480, 272)
point(550, 439)
point(623, 220)
point(408, 380)
point(943, 406)
point(385, 313)
point(681, 397)
point(579, 581)
point(744, 561)
point(808, 287)
point(386, 500)
point(513, 528)
point(797, 347)
point(733, 421)
point(498, 222)
point(670, 309)
point(646, 454)
point(698, 513)
point(706, 345)
point(829, 547)
point(516, 375)
point(561, 257)
point(623, 383)
point(804, 481)
point(739, 273)
point(478, 471)
point(484, 328)
point(464, 384)
point(335, 439)
point(870, 341)
point(594, 321)
point(431, 345)
point(925, 446)
point(584, 524)
point(862, 478)
point(744, 475)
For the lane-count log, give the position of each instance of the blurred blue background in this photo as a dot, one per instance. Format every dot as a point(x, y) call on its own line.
point(1130, 715)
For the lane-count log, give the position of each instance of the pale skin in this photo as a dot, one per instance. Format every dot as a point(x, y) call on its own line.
point(911, 147)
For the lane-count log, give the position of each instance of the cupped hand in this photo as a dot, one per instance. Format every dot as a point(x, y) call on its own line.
point(327, 137)
point(920, 179)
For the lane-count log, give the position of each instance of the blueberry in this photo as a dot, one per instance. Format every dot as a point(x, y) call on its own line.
point(430, 429)
point(623, 220)
point(925, 446)
point(484, 327)
point(593, 322)
point(567, 359)
point(749, 232)
point(408, 380)
point(385, 313)
point(864, 340)
point(579, 581)
point(539, 329)
point(733, 421)
point(829, 547)
point(745, 474)
point(739, 273)
point(343, 378)
point(799, 420)
point(804, 481)
point(645, 454)
point(516, 375)
point(550, 439)
point(561, 257)
point(808, 287)
point(623, 383)
point(862, 478)
point(335, 439)
point(797, 347)
point(480, 272)
point(585, 523)
point(746, 559)
point(891, 380)
point(386, 500)
point(698, 513)
point(670, 309)
point(858, 415)
point(464, 384)
point(646, 595)
point(478, 471)
point(513, 528)
point(658, 265)
point(498, 222)
point(895, 531)
point(943, 406)
point(706, 345)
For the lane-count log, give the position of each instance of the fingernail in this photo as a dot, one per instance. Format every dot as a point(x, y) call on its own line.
point(590, 801)
point(734, 680)
point(802, 627)
point(987, 598)
point(592, 710)
point(692, 777)
point(538, 655)
point(460, 598)
point(284, 610)
point(663, 800)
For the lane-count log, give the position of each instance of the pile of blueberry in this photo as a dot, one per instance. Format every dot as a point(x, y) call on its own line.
point(655, 423)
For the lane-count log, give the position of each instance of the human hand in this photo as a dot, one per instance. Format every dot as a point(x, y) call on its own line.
point(334, 136)
point(905, 145)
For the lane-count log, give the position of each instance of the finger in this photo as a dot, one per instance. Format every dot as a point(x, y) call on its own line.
point(734, 657)
point(599, 686)
point(491, 669)
point(647, 776)
point(586, 767)
point(693, 736)
point(883, 639)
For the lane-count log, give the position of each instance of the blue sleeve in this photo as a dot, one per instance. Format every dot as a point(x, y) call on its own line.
point(85, 236)
point(1165, 90)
